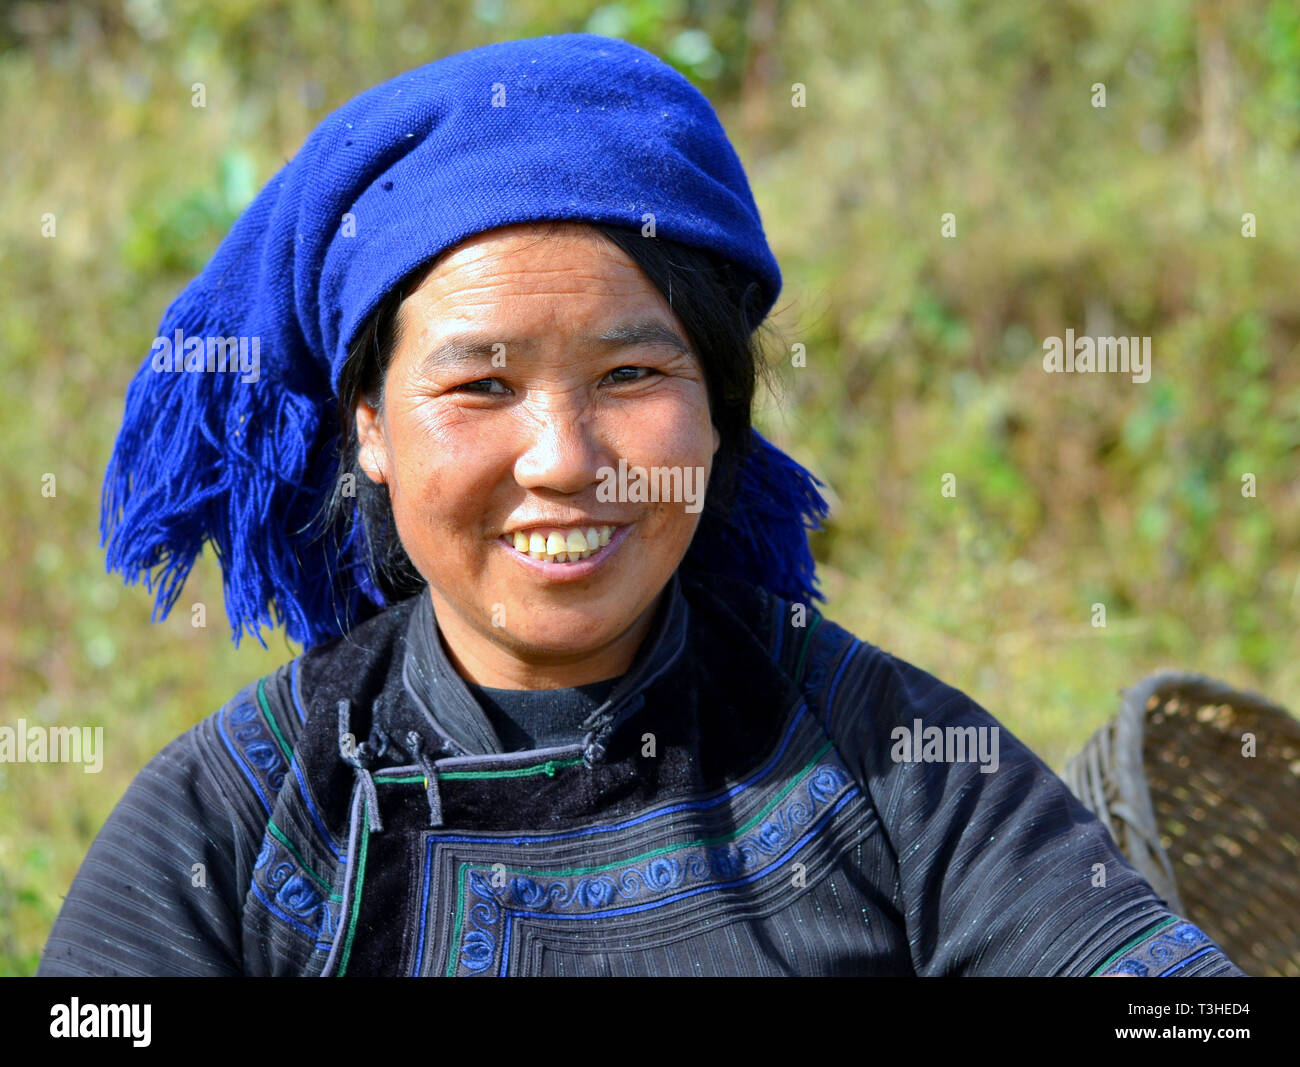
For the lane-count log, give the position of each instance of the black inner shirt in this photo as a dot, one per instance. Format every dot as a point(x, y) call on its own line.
point(540, 718)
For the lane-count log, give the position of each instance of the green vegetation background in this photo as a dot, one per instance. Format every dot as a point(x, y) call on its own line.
point(923, 352)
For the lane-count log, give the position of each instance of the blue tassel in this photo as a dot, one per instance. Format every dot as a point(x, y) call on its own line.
point(763, 538)
point(206, 457)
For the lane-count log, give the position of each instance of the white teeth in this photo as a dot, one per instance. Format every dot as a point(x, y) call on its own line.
point(562, 546)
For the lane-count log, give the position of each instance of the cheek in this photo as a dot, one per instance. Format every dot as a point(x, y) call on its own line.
point(674, 435)
point(443, 469)
point(427, 432)
point(672, 431)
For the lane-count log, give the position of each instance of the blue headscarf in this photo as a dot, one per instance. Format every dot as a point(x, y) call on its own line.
point(573, 127)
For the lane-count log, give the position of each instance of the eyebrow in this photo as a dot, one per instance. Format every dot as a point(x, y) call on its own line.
point(457, 351)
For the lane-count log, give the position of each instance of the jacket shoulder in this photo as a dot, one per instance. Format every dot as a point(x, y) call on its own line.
point(251, 741)
point(159, 891)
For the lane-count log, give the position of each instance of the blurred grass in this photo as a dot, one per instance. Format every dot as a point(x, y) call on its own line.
point(923, 352)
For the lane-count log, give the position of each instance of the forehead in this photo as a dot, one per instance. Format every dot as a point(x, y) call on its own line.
point(561, 257)
point(532, 277)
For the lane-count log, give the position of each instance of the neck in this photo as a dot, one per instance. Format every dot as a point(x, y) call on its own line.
point(484, 659)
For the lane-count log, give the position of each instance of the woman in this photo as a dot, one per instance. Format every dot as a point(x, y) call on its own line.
point(562, 711)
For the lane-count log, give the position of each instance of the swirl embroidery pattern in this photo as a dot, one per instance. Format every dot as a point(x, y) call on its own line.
point(244, 731)
point(1165, 950)
point(646, 882)
point(286, 889)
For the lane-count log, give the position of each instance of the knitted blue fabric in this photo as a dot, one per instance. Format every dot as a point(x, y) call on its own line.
point(567, 127)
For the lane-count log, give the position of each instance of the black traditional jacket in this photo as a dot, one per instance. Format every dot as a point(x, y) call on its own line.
point(763, 793)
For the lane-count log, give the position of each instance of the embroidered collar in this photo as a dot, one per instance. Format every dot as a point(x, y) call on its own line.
point(462, 727)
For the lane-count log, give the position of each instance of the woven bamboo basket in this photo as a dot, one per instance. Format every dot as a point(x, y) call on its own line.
point(1214, 830)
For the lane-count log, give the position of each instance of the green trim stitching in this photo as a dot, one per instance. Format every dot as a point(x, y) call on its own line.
point(361, 880)
point(279, 835)
point(548, 768)
point(1136, 941)
point(707, 841)
point(270, 720)
point(803, 652)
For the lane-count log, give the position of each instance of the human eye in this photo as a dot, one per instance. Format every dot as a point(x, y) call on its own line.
point(637, 374)
point(482, 385)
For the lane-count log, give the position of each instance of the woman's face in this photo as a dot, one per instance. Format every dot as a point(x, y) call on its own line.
point(528, 364)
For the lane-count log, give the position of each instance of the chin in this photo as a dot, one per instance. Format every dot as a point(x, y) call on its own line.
point(566, 634)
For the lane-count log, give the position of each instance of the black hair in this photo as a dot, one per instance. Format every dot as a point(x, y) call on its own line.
point(719, 310)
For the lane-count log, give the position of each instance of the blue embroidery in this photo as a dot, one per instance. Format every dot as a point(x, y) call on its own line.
point(290, 894)
point(479, 946)
point(600, 892)
point(247, 738)
point(1166, 950)
point(244, 732)
point(659, 881)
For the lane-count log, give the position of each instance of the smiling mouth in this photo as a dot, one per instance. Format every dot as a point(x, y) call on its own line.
point(559, 544)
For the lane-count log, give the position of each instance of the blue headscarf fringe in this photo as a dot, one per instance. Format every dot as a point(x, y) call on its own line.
point(243, 466)
point(764, 537)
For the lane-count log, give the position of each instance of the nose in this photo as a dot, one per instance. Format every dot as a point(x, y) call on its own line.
point(561, 452)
